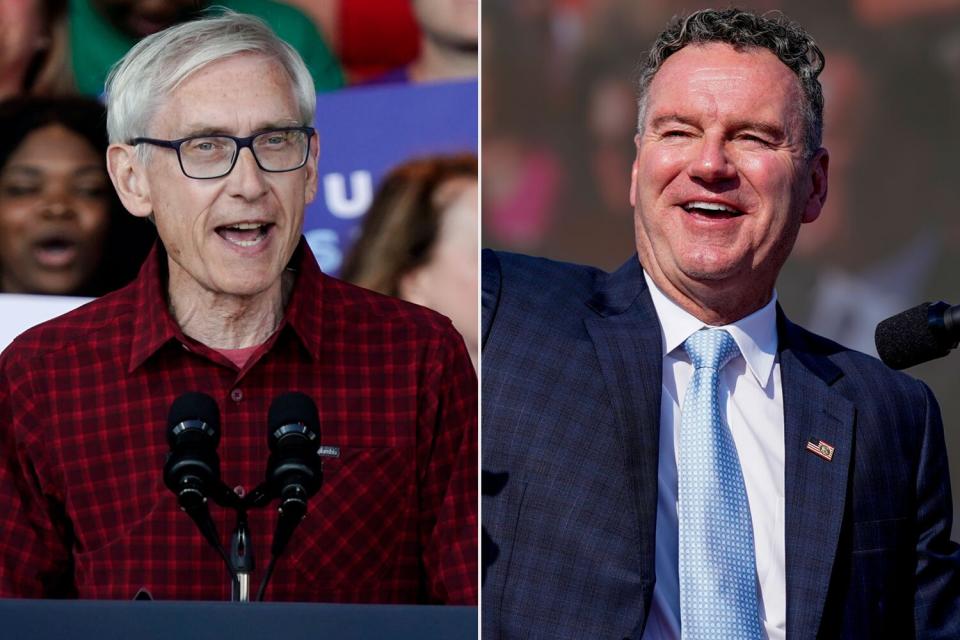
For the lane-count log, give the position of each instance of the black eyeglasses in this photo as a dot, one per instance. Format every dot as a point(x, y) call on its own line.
point(208, 157)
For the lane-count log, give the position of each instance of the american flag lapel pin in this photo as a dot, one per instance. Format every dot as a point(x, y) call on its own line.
point(820, 448)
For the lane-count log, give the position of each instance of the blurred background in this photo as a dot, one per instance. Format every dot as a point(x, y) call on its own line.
point(559, 115)
point(397, 113)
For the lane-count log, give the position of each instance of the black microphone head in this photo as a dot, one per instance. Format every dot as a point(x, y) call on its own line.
point(913, 336)
point(192, 468)
point(293, 406)
point(286, 411)
point(188, 410)
point(294, 470)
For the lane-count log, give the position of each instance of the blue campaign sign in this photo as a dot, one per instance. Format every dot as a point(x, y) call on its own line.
point(366, 131)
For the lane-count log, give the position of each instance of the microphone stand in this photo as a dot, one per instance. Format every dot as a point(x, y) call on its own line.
point(261, 497)
point(293, 508)
point(240, 562)
point(241, 559)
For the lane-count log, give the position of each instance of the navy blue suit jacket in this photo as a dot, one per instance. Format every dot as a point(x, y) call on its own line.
point(571, 413)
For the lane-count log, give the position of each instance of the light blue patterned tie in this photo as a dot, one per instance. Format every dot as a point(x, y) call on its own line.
point(718, 591)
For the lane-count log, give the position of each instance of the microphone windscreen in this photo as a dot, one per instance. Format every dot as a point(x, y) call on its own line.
point(194, 405)
point(293, 406)
point(907, 339)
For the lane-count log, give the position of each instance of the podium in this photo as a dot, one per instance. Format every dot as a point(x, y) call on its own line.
point(122, 620)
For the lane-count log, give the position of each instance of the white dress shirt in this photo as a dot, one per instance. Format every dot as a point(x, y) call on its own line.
point(751, 397)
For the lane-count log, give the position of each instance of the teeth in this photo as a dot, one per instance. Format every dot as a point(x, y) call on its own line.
point(246, 243)
point(709, 206)
point(228, 233)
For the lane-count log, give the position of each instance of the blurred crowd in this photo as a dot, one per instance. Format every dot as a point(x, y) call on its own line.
point(559, 117)
point(62, 229)
point(556, 177)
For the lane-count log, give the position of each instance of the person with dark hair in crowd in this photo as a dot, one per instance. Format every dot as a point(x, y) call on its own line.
point(210, 125)
point(418, 240)
point(33, 48)
point(62, 229)
point(101, 31)
point(668, 455)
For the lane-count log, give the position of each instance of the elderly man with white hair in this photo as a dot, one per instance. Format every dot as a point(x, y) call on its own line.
point(211, 138)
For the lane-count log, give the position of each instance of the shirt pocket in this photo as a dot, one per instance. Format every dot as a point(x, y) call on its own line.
point(361, 522)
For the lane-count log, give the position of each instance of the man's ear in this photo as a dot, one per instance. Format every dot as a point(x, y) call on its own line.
point(129, 179)
point(818, 182)
point(310, 188)
point(633, 172)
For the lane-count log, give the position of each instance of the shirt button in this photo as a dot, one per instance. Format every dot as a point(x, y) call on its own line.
point(236, 395)
point(239, 490)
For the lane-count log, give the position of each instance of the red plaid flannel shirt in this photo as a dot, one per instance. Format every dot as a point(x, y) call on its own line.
point(83, 409)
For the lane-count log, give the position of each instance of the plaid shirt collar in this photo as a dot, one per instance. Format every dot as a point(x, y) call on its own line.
point(154, 326)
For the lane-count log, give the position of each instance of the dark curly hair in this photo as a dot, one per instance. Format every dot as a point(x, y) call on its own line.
point(744, 30)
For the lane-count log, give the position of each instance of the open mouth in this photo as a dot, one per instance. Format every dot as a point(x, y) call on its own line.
point(245, 234)
point(711, 209)
point(55, 252)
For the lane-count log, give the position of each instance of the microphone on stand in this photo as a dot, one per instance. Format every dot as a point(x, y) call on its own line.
point(192, 468)
point(294, 470)
point(914, 336)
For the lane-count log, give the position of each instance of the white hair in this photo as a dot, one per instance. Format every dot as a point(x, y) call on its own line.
point(140, 83)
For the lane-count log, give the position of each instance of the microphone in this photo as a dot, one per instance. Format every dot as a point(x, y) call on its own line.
point(192, 468)
point(294, 470)
point(193, 433)
point(925, 332)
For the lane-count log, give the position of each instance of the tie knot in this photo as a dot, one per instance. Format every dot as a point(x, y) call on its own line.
point(711, 348)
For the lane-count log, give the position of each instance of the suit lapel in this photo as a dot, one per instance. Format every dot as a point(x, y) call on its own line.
point(816, 488)
point(626, 337)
